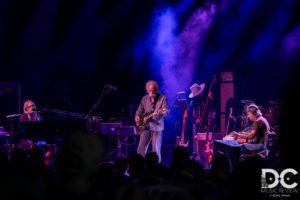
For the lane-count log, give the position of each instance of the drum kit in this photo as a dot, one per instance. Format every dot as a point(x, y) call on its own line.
point(273, 113)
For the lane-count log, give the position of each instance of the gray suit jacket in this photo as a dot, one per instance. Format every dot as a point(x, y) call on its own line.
point(156, 123)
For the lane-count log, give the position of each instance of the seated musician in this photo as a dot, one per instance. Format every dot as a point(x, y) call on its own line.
point(30, 113)
point(257, 134)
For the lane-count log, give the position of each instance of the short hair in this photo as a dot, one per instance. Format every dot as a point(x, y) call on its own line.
point(152, 82)
point(26, 105)
point(254, 109)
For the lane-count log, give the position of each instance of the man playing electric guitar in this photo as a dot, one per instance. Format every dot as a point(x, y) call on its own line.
point(153, 104)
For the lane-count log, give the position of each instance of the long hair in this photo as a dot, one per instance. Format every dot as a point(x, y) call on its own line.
point(25, 106)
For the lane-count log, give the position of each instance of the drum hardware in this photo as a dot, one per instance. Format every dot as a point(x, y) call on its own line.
point(275, 103)
point(245, 101)
point(273, 113)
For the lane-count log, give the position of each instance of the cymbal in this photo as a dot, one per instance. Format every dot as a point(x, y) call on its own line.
point(245, 101)
point(275, 103)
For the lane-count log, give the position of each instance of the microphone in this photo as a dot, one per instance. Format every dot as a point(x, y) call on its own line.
point(111, 87)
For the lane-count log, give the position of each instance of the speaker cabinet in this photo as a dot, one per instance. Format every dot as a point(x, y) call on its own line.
point(226, 95)
point(230, 148)
point(201, 140)
point(10, 98)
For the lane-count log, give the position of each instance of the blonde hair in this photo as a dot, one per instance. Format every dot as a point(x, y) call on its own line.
point(26, 105)
point(152, 82)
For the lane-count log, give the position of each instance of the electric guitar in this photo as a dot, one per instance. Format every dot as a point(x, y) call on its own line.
point(208, 149)
point(145, 119)
point(180, 142)
point(208, 142)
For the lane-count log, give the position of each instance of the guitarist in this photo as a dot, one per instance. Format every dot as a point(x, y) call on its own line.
point(197, 105)
point(151, 104)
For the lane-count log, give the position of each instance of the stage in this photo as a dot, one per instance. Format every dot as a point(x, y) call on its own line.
point(176, 99)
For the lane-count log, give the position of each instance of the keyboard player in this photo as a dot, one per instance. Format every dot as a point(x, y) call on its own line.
point(30, 113)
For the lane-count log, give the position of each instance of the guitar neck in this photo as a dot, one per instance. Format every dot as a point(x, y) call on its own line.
point(183, 126)
point(161, 111)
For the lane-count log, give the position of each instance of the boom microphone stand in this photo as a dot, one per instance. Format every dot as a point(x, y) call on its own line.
point(90, 119)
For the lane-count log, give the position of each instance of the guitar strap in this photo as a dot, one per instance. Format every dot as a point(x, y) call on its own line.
point(155, 102)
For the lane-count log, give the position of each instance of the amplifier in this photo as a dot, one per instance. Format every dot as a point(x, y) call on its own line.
point(230, 148)
point(10, 103)
point(200, 140)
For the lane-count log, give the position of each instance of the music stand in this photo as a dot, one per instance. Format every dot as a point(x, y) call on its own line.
point(113, 128)
point(117, 129)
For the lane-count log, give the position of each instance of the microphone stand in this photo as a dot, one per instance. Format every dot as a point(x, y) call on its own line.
point(90, 120)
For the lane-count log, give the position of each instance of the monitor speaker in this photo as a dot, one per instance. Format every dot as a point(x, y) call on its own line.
point(10, 99)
